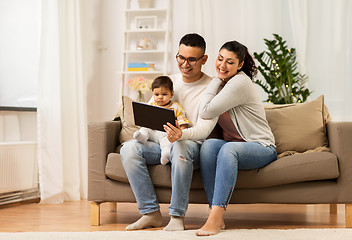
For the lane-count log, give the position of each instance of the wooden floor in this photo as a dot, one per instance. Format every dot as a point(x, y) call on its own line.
point(75, 216)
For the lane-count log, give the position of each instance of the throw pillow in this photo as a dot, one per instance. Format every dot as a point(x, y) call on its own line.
point(298, 127)
point(127, 120)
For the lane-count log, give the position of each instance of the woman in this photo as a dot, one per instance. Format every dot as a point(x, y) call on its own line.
point(247, 143)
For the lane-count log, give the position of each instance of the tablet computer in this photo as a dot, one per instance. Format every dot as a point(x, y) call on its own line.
point(153, 117)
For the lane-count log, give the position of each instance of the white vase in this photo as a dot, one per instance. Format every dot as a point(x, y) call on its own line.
point(145, 3)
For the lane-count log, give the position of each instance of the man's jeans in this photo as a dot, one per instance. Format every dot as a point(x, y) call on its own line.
point(220, 161)
point(184, 159)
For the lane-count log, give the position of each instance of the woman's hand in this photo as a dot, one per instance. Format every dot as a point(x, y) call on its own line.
point(173, 133)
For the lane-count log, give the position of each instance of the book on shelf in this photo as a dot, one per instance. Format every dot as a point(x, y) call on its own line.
point(135, 66)
point(138, 69)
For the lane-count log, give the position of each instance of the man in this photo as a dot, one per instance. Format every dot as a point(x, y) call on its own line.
point(189, 85)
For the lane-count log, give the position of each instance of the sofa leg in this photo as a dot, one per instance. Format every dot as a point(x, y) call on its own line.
point(348, 209)
point(113, 206)
point(333, 208)
point(95, 214)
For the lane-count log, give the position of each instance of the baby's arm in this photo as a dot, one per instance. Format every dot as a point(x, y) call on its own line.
point(180, 114)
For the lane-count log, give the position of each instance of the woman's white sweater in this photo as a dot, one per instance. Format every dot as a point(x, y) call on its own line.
point(240, 97)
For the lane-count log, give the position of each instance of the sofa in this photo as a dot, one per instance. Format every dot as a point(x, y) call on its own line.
point(314, 164)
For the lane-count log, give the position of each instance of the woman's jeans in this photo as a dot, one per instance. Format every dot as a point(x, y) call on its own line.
point(220, 161)
point(184, 157)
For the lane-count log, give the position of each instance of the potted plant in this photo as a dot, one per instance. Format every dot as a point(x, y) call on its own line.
point(278, 66)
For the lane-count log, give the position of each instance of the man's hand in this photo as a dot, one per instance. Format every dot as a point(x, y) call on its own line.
point(173, 133)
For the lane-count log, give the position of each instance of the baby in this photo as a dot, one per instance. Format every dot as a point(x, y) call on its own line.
point(162, 88)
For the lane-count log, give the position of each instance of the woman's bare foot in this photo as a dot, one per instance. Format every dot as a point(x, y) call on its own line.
point(210, 229)
point(214, 224)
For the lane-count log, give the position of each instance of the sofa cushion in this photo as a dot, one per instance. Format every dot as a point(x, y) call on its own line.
point(127, 120)
point(160, 174)
point(298, 127)
point(300, 167)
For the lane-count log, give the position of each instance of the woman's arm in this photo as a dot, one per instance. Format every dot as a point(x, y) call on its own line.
point(234, 93)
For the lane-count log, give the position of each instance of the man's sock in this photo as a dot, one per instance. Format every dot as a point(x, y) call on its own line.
point(149, 220)
point(140, 137)
point(175, 224)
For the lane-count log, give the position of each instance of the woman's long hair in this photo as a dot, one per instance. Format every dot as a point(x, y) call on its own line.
point(243, 55)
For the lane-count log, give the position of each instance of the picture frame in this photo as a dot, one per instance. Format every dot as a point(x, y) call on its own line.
point(146, 22)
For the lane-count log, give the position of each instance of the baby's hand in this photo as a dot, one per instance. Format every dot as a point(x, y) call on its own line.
point(184, 126)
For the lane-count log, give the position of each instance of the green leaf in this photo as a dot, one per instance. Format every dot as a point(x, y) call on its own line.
point(278, 66)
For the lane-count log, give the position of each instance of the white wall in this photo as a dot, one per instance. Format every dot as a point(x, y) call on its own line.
point(103, 41)
point(91, 18)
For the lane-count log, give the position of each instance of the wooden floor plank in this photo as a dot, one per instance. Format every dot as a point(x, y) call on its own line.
point(75, 216)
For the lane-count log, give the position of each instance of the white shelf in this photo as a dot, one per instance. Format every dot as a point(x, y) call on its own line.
point(153, 25)
point(146, 31)
point(142, 72)
point(146, 10)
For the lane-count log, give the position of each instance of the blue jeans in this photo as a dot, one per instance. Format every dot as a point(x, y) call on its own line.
point(220, 161)
point(184, 158)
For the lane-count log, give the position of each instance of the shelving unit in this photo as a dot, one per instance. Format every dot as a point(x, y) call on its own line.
point(149, 28)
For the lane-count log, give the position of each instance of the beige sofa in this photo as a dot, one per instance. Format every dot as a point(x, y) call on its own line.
point(314, 165)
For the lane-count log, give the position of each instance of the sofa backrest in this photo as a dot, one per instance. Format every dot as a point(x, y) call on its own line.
point(296, 127)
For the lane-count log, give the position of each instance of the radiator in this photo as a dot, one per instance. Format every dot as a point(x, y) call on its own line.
point(18, 170)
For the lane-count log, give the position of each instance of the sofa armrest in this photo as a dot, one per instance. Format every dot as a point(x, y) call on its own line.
point(340, 142)
point(103, 138)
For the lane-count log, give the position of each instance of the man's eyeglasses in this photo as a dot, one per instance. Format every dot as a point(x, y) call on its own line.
point(191, 60)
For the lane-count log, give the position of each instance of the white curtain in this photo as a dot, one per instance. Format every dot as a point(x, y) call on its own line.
point(320, 30)
point(62, 137)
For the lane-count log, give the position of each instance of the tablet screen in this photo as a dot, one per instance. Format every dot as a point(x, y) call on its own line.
point(153, 117)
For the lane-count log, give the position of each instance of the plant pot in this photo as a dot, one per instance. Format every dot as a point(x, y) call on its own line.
point(145, 3)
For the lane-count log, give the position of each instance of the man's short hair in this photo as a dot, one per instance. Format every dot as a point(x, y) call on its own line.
point(193, 40)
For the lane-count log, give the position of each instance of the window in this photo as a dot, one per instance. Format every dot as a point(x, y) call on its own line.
point(19, 52)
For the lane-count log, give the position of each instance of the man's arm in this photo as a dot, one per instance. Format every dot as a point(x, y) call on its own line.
point(201, 131)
